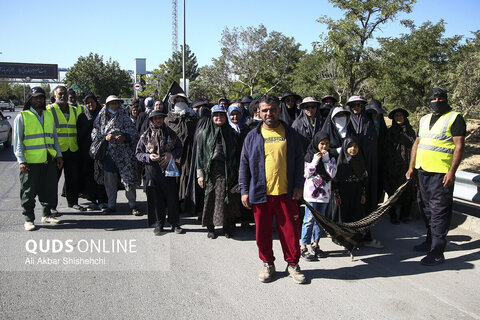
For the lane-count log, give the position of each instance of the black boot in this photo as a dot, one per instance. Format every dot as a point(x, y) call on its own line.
point(158, 230)
point(211, 232)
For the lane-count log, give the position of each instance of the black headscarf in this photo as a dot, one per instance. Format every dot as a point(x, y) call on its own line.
point(313, 149)
point(336, 141)
point(348, 165)
point(288, 115)
point(91, 115)
point(251, 106)
point(403, 136)
point(304, 127)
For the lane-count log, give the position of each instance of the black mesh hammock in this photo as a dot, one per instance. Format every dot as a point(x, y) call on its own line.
point(349, 234)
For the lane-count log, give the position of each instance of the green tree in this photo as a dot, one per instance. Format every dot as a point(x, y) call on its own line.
point(260, 61)
point(316, 75)
point(172, 70)
point(346, 42)
point(5, 90)
point(464, 78)
point(46, 88)
point(92, 74)
point(412, 64)
point(212, 81)
point(18, 91)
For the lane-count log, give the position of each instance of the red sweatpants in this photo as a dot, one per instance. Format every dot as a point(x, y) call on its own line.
point(287, 218)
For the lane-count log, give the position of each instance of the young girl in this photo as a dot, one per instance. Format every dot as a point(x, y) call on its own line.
point(319, 170)
point(349, 193)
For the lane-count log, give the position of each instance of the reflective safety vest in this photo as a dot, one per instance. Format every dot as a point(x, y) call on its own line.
point(66, 131)
point(436, 146)
point(38, 140)
point(80, 108)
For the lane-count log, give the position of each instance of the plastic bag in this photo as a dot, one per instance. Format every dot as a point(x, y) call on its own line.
point(171, 170)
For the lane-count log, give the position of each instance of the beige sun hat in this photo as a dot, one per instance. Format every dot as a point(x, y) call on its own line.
point(113, 98)
point(309, 100)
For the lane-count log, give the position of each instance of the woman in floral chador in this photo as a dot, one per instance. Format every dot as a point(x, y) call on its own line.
point(114, 125)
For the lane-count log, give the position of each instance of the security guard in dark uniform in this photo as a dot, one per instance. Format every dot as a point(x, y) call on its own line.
point(38, 153)
point(436, 155)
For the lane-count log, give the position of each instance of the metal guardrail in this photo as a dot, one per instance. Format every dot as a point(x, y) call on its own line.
point(467, 186)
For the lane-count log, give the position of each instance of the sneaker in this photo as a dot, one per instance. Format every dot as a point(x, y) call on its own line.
point(177, 229)
point(78, 207)
point(92, 207)
point(29, 226)
point(422, 247)
point(108, 210)
point(50, 219)
point(432, 259)
point(305, 254)
point(296, 274)
point(136, 212)
point(267, 273)
point(55, 213)
point(102, 206)
point(319, 253)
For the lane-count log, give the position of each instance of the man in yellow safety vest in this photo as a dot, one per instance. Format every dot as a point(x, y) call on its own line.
point(65, 117)
point(436, 155)
point(38, 152)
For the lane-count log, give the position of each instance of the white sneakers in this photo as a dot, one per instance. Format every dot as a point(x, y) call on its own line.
point(50, 220)
point(29, 226)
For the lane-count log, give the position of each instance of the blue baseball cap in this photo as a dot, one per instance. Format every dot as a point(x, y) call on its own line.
point(218, 108)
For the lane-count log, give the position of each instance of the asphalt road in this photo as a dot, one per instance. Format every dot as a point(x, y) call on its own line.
point(191, 277)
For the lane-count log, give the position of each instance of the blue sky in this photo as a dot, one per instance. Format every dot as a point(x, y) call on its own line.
point(58, 32)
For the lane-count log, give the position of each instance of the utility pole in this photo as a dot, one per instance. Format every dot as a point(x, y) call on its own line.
point(174, 27)
point(184, 32)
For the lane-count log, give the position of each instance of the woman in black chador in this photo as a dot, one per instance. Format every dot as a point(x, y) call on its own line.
point(349, 184)
point(399, 141)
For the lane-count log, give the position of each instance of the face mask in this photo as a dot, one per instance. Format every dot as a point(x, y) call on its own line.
point(341, 125)
point(111, 111)
point(340, 121)
point(180, 106)
point(439, 107)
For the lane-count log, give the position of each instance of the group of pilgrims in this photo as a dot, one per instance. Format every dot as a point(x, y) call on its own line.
point(351, 159)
